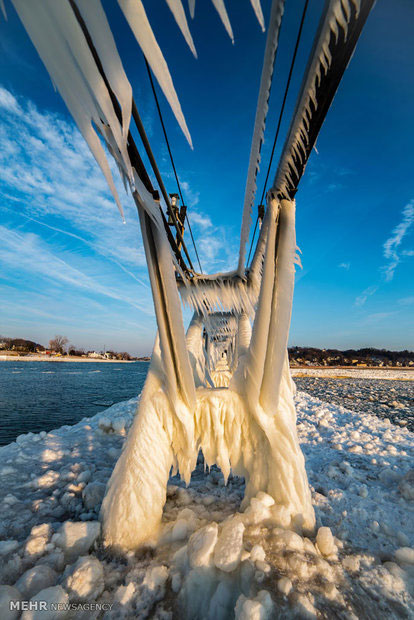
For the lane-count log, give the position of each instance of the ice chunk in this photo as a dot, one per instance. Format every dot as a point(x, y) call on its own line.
point(7, 595)
point(229, 546)
point(325, 541)
point(405, 555)
point(8, 546)
point(156, 577)
point(284, 585)
point(35, 579)
point(259, 608)
point(93, 494)
point(76, 538)
point(53, 598)
point(201, 545)
point(86, 579)
point(406, 486)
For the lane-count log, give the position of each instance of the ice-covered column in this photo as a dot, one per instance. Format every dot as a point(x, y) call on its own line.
point(196, 352)
point(244, 334)
point(163, 431)
point(263, 378)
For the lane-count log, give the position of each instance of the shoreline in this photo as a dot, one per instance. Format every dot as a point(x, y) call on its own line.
point(331, 371)
point(66, 358)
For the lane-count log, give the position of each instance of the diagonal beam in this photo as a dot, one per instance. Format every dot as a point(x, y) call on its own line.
point(339, 29)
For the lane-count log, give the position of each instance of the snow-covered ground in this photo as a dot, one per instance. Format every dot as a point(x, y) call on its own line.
point(212, 561)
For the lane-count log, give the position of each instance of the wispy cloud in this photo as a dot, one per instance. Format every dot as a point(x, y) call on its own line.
point(345, 266)
point(362, 298)
point(406, 301)
point(27, 252)
point(393, 243)
point(392, 252)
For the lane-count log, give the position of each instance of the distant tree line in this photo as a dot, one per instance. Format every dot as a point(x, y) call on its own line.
point(350, 357)
point(59, 344)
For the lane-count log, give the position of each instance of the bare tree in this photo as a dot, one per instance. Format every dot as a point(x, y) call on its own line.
point(58, 343)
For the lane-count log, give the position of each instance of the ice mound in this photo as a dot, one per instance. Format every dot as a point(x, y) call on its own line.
point(213, 559)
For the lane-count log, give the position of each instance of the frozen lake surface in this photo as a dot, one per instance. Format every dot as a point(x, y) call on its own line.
point(385, 398)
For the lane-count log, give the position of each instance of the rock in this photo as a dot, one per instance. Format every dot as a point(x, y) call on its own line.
point(93, 494)
point(405, 555)
point(201, 545)
point(35, 579)
point(7, 595)
point(284, 585)
point(325, 541)
point(229, 546)
point(46, 598)
point(76, 538)
point(85, 582)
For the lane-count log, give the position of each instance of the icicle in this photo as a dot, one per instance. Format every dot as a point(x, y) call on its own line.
point(221, 10)
point(3, 9)
point(103, 40)
point(258, 12)
point(259, 126)
point(137, 18)
point(177, 10)
point(191, 6)
point(72, 69)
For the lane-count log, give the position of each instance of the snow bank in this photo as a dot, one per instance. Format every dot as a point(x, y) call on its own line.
point(211, 560)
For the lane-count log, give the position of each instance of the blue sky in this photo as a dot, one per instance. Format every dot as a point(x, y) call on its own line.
point(69, 265)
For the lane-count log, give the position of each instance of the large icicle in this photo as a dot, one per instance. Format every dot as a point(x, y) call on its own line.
point(137, 18)
point(221, 10)
point(259, 125)
point(59, 41)
point(177, 10)
point(257, 8)
point(103, 40)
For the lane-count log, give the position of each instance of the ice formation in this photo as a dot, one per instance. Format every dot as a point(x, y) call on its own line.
point(259, 125)
point(224, 388)
point(177, 10)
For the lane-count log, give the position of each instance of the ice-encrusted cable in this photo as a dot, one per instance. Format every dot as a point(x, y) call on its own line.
point(292, 65)
point(171, 157)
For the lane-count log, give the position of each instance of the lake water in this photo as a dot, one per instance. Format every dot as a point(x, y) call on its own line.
point(37, 396)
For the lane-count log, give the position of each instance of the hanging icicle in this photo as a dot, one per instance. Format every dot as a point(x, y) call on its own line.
point(138, 21)
point(177, 10)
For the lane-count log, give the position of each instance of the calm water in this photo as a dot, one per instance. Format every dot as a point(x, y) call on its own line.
point(37, 396)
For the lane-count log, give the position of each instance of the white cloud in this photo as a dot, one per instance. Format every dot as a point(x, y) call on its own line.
point(8, 101)
point(345, 266)
point(27, 252)
point(361, 299)
point(392, 244)
point(391, 250)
